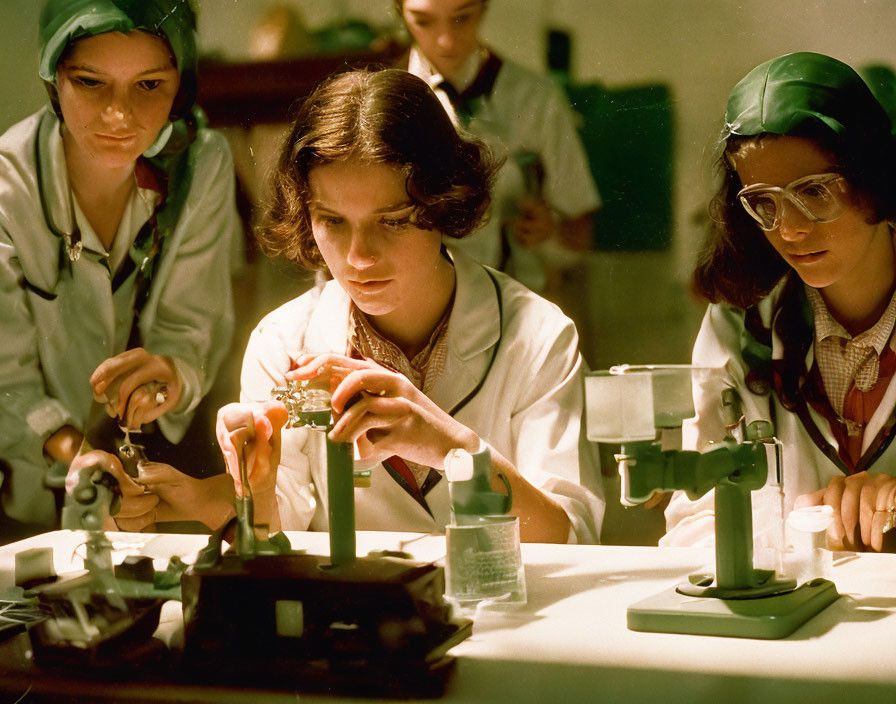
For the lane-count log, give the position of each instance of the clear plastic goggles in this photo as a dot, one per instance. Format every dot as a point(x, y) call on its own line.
point(820, 197)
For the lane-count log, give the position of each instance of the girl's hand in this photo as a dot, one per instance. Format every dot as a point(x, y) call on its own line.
point(63, 445)
point(138, 507)
point(861, 504)
point(253, 431)
point(136, 386)
point(186, 498)
point(383, 412)
point(534, 223)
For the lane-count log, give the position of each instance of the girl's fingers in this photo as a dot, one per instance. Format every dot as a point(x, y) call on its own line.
point(114, 367)
point(833, 497)
point(849, 508)
point(235, 427)
point(816, 498)
point(94, 459)
point(151, 369)
point(876, 530)
point(137, 524)
point(367, 382)
point(232, 417)
point(885, 499)
point(868, 502)
point(276, 415)
point(364, 447)
point(324, 365)
point(140, 406)
point(368, 413)
point(155, 474)
point(254, 430)
point(108, 463)
point(137, 506)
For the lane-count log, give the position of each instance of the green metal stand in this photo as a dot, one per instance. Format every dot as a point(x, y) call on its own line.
point(740, 600)
point(766, 617)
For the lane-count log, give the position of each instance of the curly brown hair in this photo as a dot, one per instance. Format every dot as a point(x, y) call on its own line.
point(379, 116)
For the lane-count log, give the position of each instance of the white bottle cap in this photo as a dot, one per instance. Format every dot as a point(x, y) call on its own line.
point(811, 519)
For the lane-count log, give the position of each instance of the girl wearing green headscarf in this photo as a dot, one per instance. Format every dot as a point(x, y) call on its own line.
point(117, 219)
point(800, 272)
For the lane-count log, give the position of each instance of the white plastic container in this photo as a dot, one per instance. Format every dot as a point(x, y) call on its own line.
point(807, 556)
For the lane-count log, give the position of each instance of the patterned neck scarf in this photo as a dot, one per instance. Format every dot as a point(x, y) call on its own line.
point(422, 370)
point(844, 360)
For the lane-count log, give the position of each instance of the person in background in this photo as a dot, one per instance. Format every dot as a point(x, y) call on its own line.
point(800, 272)
point(117, 222)
point(544, 197)
point(425, 350)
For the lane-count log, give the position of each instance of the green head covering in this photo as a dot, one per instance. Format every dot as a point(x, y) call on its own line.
point(882, 82)
point(781, 95)
point(63, 21)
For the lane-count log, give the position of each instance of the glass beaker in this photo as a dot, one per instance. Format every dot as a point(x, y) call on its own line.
point(483, 562)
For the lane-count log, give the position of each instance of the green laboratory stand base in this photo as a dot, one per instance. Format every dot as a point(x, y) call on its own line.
point(762, 617)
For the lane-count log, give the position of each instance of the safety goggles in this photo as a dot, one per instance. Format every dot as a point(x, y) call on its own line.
point(820, 197)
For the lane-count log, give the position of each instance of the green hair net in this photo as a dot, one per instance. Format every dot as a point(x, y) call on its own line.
point(63, 21)
point(781, 95)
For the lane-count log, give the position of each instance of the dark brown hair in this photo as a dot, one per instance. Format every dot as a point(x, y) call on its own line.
point(380, 116)
point(737, 264)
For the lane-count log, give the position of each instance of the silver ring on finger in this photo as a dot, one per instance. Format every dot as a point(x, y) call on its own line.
point(158, 391)
point(891, 520)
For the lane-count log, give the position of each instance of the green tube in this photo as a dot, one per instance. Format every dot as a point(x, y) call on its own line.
point(245, 532)
point(341, 500)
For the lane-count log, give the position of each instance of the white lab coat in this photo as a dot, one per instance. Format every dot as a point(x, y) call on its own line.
point(524, 112)
point(59, 319)
point(529, 408)
point(805, 467)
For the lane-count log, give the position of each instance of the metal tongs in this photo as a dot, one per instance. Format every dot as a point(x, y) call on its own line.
point(130, 453)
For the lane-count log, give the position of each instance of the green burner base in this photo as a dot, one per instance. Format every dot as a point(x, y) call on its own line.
point(763, 617)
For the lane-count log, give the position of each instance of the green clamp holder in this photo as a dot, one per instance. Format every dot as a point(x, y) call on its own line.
point(310, 408)
point(247, 543)
point(93, 498)
point(738, 600)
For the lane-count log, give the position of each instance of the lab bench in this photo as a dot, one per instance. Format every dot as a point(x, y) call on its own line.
point(569, 643)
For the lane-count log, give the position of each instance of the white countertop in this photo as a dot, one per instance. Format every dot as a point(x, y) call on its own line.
point(570, 641)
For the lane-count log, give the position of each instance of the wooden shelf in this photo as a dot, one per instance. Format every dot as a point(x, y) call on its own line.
point(247, 93)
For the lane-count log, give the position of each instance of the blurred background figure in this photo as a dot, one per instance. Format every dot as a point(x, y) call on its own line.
point(544, 197)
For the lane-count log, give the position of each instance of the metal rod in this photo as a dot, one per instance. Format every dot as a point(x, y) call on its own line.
point(341, 502)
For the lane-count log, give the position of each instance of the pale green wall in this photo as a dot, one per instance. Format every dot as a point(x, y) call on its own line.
point(21, 91)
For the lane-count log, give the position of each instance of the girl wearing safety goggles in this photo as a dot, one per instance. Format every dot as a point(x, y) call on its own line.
point(800, 271)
